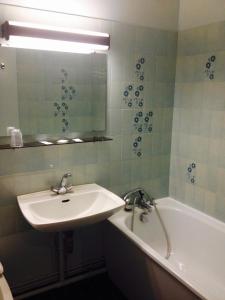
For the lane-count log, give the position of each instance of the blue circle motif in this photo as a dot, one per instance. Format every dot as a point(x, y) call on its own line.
point(211, 76)
point(138, 66)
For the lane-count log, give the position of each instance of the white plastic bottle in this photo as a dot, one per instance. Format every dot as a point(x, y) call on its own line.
point(16, 138)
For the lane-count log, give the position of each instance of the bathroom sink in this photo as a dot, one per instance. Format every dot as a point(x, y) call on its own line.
point(84, 205)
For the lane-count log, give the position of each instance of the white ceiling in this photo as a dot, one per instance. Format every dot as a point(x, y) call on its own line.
point(153, 13)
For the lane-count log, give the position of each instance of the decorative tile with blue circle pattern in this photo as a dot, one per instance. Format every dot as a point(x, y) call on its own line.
point(143, 122)
point(140, 68)
point(67, 93)
point(137, 146)
point(191, 172)
point(210, 67)
point(133, 95)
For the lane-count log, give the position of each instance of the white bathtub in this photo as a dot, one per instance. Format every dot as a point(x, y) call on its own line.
point(198, 246)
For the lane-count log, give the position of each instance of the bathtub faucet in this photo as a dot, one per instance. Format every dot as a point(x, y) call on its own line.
point(145, 205)
point(140, 198)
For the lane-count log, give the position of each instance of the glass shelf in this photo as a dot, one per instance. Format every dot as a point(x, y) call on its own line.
point(44, 142)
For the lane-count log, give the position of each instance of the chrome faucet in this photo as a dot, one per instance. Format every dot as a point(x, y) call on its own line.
point(145, 205)
point(63, 186)
point(140, 198)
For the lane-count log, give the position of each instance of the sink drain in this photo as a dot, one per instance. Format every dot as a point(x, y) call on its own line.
point(66, 200)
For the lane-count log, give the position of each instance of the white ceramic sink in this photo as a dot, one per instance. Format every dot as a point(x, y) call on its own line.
point(86, 204)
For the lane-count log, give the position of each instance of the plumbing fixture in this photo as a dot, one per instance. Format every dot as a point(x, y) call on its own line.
point(63, 186)
point(138, 197)
point(2, 66)
point(144, 217)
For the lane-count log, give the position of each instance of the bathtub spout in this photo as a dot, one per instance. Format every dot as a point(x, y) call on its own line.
point(146, 206)
point(139, 198)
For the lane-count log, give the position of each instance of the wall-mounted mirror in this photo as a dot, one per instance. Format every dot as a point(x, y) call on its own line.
point(52, 93)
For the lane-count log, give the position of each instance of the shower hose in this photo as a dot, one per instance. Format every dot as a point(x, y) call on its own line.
point(168, 244)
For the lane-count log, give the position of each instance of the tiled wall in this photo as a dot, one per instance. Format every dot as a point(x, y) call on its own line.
point(199, 120)
point(139, 154)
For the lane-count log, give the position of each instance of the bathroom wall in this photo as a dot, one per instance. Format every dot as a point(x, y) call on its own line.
point(194, 13)
point(141, 73)
point(197, 173)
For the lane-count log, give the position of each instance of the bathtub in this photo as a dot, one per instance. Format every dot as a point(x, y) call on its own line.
point(136, 260)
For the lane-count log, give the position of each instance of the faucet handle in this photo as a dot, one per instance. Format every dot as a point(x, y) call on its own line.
point(69, 188)
point(146, 197)
point(59, 190)
point(67, 175)
point(54, 189)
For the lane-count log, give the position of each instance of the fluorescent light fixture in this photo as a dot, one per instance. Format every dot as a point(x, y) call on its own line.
point(42, 44)
point(46, 143)
point(62, 141)
point(35, 36)
point(77, 140)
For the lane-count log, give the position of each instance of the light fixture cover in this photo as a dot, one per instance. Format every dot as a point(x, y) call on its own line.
point(35, 36)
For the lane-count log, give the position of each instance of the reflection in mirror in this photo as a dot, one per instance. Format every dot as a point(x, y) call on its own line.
point(52, 93)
